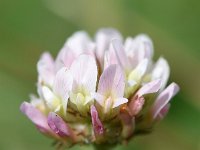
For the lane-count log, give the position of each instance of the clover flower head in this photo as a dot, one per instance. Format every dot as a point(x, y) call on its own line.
point(101, 91)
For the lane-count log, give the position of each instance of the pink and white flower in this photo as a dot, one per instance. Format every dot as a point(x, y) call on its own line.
point(101, 89)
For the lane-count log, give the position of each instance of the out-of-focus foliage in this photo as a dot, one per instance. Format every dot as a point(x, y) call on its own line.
point(27, 28)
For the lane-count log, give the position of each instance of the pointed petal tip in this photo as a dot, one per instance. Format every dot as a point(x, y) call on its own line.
point(164, 98)
point(151, 87)
point(120, 53)
point(23, 107)
point(96, 122)
point(37, 117)
point(161, 71)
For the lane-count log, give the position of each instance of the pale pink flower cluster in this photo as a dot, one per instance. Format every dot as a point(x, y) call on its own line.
point(105, 90)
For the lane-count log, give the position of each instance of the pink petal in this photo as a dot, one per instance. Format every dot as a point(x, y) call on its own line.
point(58, 125)
point(96, 122)
point(112, 80)
point(137, 101)
point(35, 116)
point(135, 106)
point(163, 99)
point(45, 67)
point(151, 87)
point(120, 53)
point(84, 71)
point(163, 112)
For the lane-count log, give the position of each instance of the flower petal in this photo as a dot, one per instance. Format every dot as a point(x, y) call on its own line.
point(53, 102)
point(99, 98)
point(84, 71)
point(112, 80)
point(65, 58)
point(119, 101)
point(80, 43)
point(58, 125)
point(96, 122)
point(138, 48)
point(163, 99)
point(62, 85)
point(135, 106)
point(161, 71)
point(109, 58)
point(45, 67)
point(120, 54)
point(103, 39)
point(47, 94)
point(139, 71)
point(150, 87)
point(145, 43)
point(35, 116)
point(163, 112)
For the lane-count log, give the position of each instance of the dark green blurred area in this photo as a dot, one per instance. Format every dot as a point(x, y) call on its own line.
point(27, 28)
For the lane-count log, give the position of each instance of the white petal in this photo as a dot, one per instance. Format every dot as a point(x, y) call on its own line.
point(45, 67)
point(120, 54)
point(35, 100)
point(52, 101)
point(110, 58)
point(131, 83)
point(139, 71)
point(99, 98)
point(163, 99)
point(80, 43)
point(62, 85)
point(47, 94)
point(119, 101)
point(103, 39)
point(145, 44)
point(150, 87)
point(138, 48)
point(64, 58)
point(112, 80)
point(84, 71)
point(161, 71)
point(107, 61)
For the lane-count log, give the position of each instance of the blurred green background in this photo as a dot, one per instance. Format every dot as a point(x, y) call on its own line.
point(27, 28)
